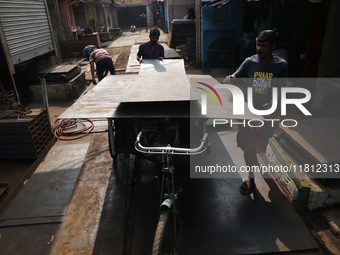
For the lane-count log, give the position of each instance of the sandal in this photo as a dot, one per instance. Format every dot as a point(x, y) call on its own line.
point(247, 187)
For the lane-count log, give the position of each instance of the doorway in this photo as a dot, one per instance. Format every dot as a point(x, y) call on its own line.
point(129, 15)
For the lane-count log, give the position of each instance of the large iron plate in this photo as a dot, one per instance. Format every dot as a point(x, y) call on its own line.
point(102, 100)
point(160, 81)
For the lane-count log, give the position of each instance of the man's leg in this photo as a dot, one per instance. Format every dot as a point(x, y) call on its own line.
point(251, 160)
point(247, 186)
point(111, 67)
point(107, 65)
point(100, 70)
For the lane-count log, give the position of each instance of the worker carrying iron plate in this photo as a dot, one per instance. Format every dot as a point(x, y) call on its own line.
point(151, 49)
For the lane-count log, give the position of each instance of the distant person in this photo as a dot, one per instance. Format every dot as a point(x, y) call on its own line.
point(88, 50)
point(151, 49)
point(133, 28)
point(144, 21)
point(191, 13)
point(103, 62)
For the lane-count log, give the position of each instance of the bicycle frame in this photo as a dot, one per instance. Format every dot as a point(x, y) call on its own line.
point(168, 168)
point(168, 150)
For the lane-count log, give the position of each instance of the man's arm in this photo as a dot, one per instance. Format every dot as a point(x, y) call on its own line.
point(92, 70)
point(139, 54)
point(140, 60)
point(241, 72)
point(229, 79)
point(161, 53)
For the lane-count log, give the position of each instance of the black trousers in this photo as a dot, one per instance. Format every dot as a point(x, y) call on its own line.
point(103, 65)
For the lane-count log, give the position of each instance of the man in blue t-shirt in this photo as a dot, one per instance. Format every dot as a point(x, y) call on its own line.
point(151, 49)
point(262, 71)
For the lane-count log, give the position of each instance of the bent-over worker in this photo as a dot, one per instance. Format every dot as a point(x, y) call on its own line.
point(103, 62)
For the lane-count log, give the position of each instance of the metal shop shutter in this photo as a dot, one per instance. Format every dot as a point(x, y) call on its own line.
point(26, 27)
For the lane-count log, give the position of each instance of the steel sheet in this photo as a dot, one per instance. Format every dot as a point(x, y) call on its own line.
point(216, 110)
point(160, 81)
point(170, 53)
point(133, 65)
point(102, 100)
point(216, 218)
point(121, 96)
point(49, 190)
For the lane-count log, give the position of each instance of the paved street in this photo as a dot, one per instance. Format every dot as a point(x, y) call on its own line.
point(103, 206)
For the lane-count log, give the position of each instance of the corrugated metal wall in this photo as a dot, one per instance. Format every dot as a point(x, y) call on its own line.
point(27, 29)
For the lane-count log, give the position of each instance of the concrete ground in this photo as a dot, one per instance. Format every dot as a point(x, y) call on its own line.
point(76, 225)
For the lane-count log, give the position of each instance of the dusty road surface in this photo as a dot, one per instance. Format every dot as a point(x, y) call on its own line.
point(124, 53)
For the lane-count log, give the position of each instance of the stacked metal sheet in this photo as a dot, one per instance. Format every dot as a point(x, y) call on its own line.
point(24, 138)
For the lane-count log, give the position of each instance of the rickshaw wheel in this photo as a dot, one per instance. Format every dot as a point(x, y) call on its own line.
point(164, 236)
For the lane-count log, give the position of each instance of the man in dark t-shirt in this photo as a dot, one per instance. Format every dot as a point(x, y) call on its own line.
point(151, 49)
point(263, 71)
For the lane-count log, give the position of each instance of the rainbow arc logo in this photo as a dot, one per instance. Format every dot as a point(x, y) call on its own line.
point(209, 93)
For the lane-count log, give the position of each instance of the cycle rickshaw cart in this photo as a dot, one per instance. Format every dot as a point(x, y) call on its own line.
point(161, 91)
point(144, 110)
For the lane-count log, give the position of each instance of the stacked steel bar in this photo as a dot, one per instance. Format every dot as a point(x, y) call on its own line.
point(24, 138)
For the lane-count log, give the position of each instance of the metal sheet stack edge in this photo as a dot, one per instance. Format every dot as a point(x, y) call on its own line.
point(24, 138)
point(160, 81)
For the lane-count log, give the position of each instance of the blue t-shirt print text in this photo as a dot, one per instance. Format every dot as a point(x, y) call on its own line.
point(262, 82)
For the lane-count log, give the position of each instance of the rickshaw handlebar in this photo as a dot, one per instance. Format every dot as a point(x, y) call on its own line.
point(172, 150)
